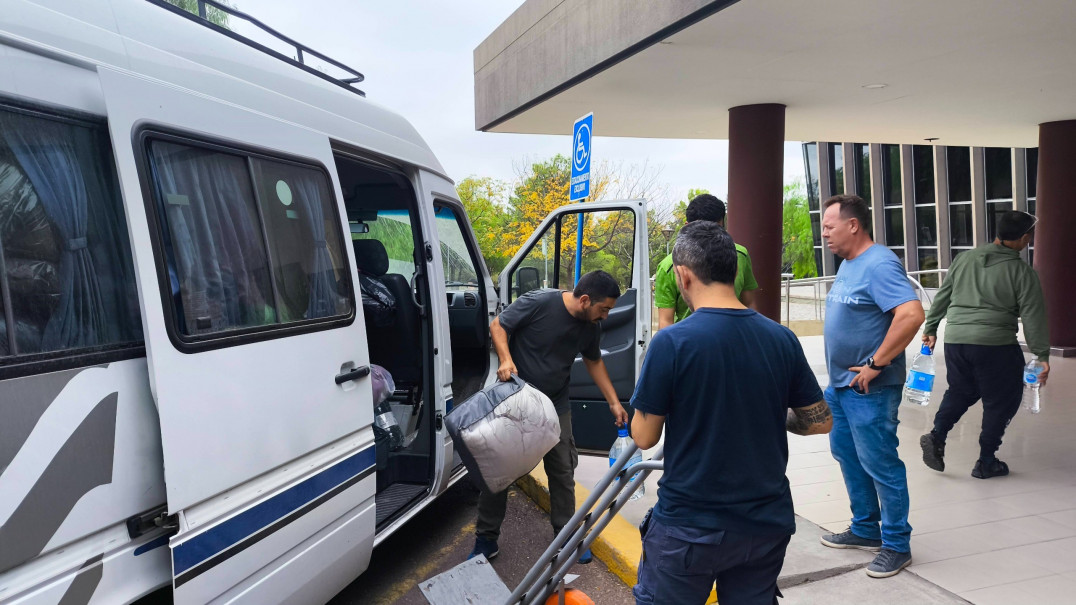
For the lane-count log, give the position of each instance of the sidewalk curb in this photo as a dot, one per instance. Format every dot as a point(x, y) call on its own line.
point(618, 546)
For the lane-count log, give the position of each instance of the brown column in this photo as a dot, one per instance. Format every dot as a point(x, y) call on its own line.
point(1056, 209)
point(756, 188)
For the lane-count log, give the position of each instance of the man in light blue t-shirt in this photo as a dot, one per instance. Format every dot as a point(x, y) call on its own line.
point(872, 314)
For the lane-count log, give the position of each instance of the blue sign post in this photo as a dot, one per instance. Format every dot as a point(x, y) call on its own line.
point(580, 184)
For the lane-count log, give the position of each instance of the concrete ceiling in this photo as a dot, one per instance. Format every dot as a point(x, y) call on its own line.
point(967, 72)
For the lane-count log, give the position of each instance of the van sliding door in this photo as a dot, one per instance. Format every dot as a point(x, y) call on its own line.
point(255, 342)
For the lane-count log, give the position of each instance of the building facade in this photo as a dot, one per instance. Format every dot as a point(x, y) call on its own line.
point(928, 203)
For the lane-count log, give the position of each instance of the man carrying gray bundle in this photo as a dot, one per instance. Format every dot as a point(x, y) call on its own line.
point(537, 338)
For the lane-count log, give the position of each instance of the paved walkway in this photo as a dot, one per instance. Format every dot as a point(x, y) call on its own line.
point(1003, 540)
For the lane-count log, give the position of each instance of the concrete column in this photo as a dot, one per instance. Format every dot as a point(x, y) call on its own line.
point(1056, 210)
point(978, 197)
point(941, 198)
point(825, 191)
point(907, 201)
point(1019, 184)
point(756, 189)
point(877, 192)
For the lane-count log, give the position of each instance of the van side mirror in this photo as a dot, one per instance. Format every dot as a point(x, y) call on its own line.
point(527, 279)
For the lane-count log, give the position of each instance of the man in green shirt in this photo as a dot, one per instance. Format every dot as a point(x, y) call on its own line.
point(671, 306)
point(985, 292)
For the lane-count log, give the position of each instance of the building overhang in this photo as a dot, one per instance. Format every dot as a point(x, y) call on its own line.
point(958, 72)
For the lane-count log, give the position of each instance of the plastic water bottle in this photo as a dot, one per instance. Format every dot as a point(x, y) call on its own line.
point(920, 381)
point(619, 446)
point(1032, 385)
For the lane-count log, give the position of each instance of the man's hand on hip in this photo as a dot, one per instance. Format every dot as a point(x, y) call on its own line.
point(620, 415)
point(505, 370)
point(863, 378)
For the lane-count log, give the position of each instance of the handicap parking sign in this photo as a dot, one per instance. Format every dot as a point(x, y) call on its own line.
point(581, 133)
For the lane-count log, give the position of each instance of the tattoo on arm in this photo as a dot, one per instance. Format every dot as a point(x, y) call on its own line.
point(809, 420)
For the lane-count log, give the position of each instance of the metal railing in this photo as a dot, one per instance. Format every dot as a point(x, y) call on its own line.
point(301, 50)
point(606, 499)
point(818, 298)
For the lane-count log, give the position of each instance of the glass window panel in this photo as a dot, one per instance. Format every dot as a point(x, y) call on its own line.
point(1032, 156)
point(928, 260)
point(67, 263)
point(538, 269)
point(305, 244)
point(926, 223)
point(1031, 206)
point(818, 260)
point(393, 229)
point(608, 244)
point(214, 244)
point(998, 173)
point(894, 227)
point(863, 171)
point(923, 173)
point(1031, 256)
point(810, 154)
point(960, 225)
point(956, 251)
point(836, 263)
point(816, 228)
point(836, 168)
point(891, 175)
point(460, 272)
point(959, 172)
point(993, 211)
point(899, 251)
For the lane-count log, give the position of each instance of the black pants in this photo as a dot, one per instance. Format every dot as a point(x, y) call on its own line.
point(991, 373)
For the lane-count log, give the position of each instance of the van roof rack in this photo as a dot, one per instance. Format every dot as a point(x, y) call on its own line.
point(301, 51)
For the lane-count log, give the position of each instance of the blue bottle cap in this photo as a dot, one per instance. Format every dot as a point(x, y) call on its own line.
point(925, 350)
point(622, 432)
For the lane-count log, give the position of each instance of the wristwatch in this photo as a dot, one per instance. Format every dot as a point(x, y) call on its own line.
point(870, 364)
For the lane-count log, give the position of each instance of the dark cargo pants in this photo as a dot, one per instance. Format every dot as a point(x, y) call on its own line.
point(991, 373)
point(560, 465)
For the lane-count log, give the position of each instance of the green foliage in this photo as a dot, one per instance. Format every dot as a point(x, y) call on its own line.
point(797, 242)
point(213, 15)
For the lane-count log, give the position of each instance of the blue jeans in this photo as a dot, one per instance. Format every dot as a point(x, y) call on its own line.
point(864, 442)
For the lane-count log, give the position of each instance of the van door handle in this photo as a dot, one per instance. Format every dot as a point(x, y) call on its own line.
point(353, 374)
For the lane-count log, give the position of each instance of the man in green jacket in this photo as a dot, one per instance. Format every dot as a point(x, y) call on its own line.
point(985, 292)
point(671, 306)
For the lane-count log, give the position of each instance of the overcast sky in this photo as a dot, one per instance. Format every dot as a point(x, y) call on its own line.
point(417, 56)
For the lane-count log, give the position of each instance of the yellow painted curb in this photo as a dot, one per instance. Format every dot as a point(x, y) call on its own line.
point(618, 546)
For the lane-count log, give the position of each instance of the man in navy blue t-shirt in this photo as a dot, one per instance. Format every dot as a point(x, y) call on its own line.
point(726, 383)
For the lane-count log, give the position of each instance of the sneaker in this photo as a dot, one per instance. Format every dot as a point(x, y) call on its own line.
point(485, 547)
point(888, 563)
point(990, 468)
point(847, 539)
point(933, 452)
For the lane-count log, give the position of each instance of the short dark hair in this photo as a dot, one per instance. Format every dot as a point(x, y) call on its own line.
point(1013, 224)
point(853, 206)
point(705, 207)
point(598, 285)
point(708, 250)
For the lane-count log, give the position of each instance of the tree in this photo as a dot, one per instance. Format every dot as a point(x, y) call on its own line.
point(484, 200)
point(797, 242)
point(213, 14)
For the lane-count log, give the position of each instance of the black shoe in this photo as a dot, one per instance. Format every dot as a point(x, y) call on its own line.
point(485, 547)
point(849, 540)
point(888, 563)
point(933, 452)
point(990, 468)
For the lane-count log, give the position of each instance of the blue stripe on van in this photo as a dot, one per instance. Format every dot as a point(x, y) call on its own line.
point(234, 530)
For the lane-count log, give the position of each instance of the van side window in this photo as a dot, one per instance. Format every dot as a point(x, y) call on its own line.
point(249, 242)
point(66, 275)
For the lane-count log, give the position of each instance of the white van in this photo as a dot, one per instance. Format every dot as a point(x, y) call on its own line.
point(186, 214)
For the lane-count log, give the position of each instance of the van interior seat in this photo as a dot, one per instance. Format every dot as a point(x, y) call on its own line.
point(395, 348)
